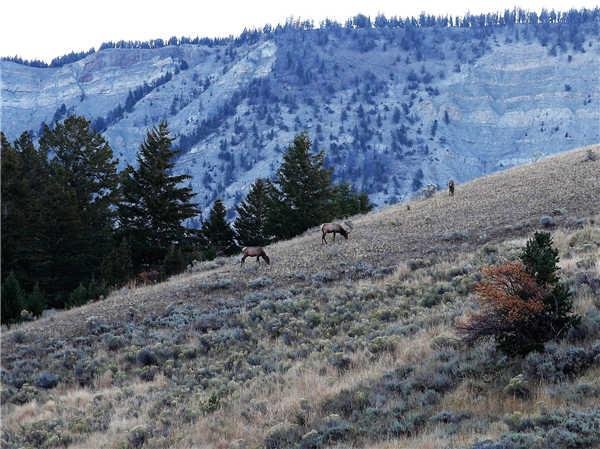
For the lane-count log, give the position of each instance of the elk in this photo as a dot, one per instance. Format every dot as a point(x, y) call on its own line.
point(333, 228)
point(254, 251)
point(148, 277)
point(451, 187)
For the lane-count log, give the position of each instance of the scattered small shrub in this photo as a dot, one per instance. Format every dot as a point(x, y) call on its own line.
point(137, 436)
point(516, 422)
point(334, 428)
point(347, 402)
point(19, 337)
point(444, 341)
point(323, 277)
point(113, 342)
point(455, 236)
point(148, 373)
point(428, 191)
point(585, 236)
point(559, 211)
point(547, 221)
point(590, 155)
point(588, 327)
point(518, 386)
point(282, 436)
point(312, 318)
point(416, 264)
point(85, 371)
point(449, 417)
point(587, 263)
point(208, 322)
point(431, 299)
point(341, 361)
point(47, 380)
point(146, 357)
point(382, 344)
point(211, 404)
point(556, 364)
point(311, 440)
point(260, 282)
point(219, 284)
point(553, 431)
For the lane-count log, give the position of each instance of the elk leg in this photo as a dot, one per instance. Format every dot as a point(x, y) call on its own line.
point(243, 259)
point(258, 260)
point(334, 236)
point(323, 239)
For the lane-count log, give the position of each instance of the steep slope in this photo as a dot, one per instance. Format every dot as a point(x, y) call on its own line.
point(394, 108)
point(351, 342)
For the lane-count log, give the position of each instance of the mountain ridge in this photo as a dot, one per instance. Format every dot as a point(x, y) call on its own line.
point(394, 108)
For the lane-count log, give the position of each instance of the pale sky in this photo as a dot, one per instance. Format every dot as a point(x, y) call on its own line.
point(44, 29)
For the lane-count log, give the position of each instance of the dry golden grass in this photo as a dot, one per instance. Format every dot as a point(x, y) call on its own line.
point(311, 383)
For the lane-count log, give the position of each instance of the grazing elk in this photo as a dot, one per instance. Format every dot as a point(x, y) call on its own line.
point(148, 277)
point(451, 187)
point(254, 251)
point(332, 228)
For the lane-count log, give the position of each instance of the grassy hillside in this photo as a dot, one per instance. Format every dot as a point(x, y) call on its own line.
point(350, 344)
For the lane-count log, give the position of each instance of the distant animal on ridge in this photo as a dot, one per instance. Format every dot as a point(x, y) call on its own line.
point(254, 251)
point(332, 228)
point(451, 187)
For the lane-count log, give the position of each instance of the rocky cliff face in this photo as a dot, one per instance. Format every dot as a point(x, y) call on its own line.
point(392, 108)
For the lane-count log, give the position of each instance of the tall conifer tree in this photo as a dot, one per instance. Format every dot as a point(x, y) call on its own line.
point(154, 205)
point(302, 195)
point(20, 201)
point(217, 232)
point(251, 223)
point(348, 202)
point(78, 216)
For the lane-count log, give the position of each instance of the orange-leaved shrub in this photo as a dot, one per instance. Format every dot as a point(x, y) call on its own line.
point(522, 303)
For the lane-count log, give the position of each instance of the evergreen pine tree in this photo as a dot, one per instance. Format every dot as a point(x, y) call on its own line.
point(251, 221)
point(13, 299)
point(96, 289)
point(345, 201)
point(62, 255)
point(217, 232)
point(174, 261)
point(348, 202)
point(364, 204)
point(80, 193)
point(78, 297)
point(21, 192)
point(36, 302)
point(302, 194)
point(154, 206)
point(117, 267)
point(85, 160)
point(12, 217)
point(541, 259)
point(32, 244)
